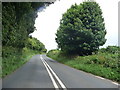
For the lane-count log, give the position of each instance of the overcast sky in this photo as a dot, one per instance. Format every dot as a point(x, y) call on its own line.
point(48, 21)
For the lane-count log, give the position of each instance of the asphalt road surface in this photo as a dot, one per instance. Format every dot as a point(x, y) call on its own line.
point(43, 72)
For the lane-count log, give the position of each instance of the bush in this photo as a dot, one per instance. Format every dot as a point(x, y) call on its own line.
point(110, 49)
point(113, 49)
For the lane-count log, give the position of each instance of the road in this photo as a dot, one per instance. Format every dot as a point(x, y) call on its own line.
point(43, 72)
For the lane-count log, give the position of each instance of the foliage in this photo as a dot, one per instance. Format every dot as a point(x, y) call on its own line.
point(105, 64)
point(113, 49)
point(82, 29)
point(18, 19)
point(35, 44)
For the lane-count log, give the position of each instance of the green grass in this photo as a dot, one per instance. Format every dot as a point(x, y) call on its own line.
point(13, 58)
point(101, 64)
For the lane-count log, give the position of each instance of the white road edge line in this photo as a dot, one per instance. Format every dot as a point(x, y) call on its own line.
point(50, 75)
point(107, 79)
point(99, 77)
point(115, 83)
point(60, 82)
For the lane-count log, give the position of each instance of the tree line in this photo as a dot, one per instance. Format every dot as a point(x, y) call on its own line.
point(18, 19)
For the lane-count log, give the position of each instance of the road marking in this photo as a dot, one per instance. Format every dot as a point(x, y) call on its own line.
point(115, 83)
point(60, 82)
point(50, 75)
point(99, 77)
point(107, 79)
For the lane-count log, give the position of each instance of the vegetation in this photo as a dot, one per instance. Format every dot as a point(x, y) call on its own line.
point(81, 32)
point(34, 44)
point(18, 19)
point(105, 63)
point(13, 59)
point(82, 29)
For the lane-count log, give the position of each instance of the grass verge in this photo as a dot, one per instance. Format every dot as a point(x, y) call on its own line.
point(101, 64)
point(13, 58)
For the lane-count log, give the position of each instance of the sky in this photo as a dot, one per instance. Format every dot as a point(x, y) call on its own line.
point(48, 21)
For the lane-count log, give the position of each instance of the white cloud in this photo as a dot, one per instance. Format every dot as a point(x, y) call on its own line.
point(47, 22)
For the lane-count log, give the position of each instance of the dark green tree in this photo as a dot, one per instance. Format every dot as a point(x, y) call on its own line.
point(82, 29)
point(18, 19)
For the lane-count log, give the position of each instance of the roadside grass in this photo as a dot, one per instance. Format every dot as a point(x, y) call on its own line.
point(13, 58)
point(101, 64)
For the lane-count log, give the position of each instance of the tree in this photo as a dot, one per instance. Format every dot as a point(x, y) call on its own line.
point(82, 29)
point(34, 44)
point(18, 19)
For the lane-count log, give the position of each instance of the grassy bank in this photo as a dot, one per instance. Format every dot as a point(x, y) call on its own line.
point(104, 64)
point(13, 58)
